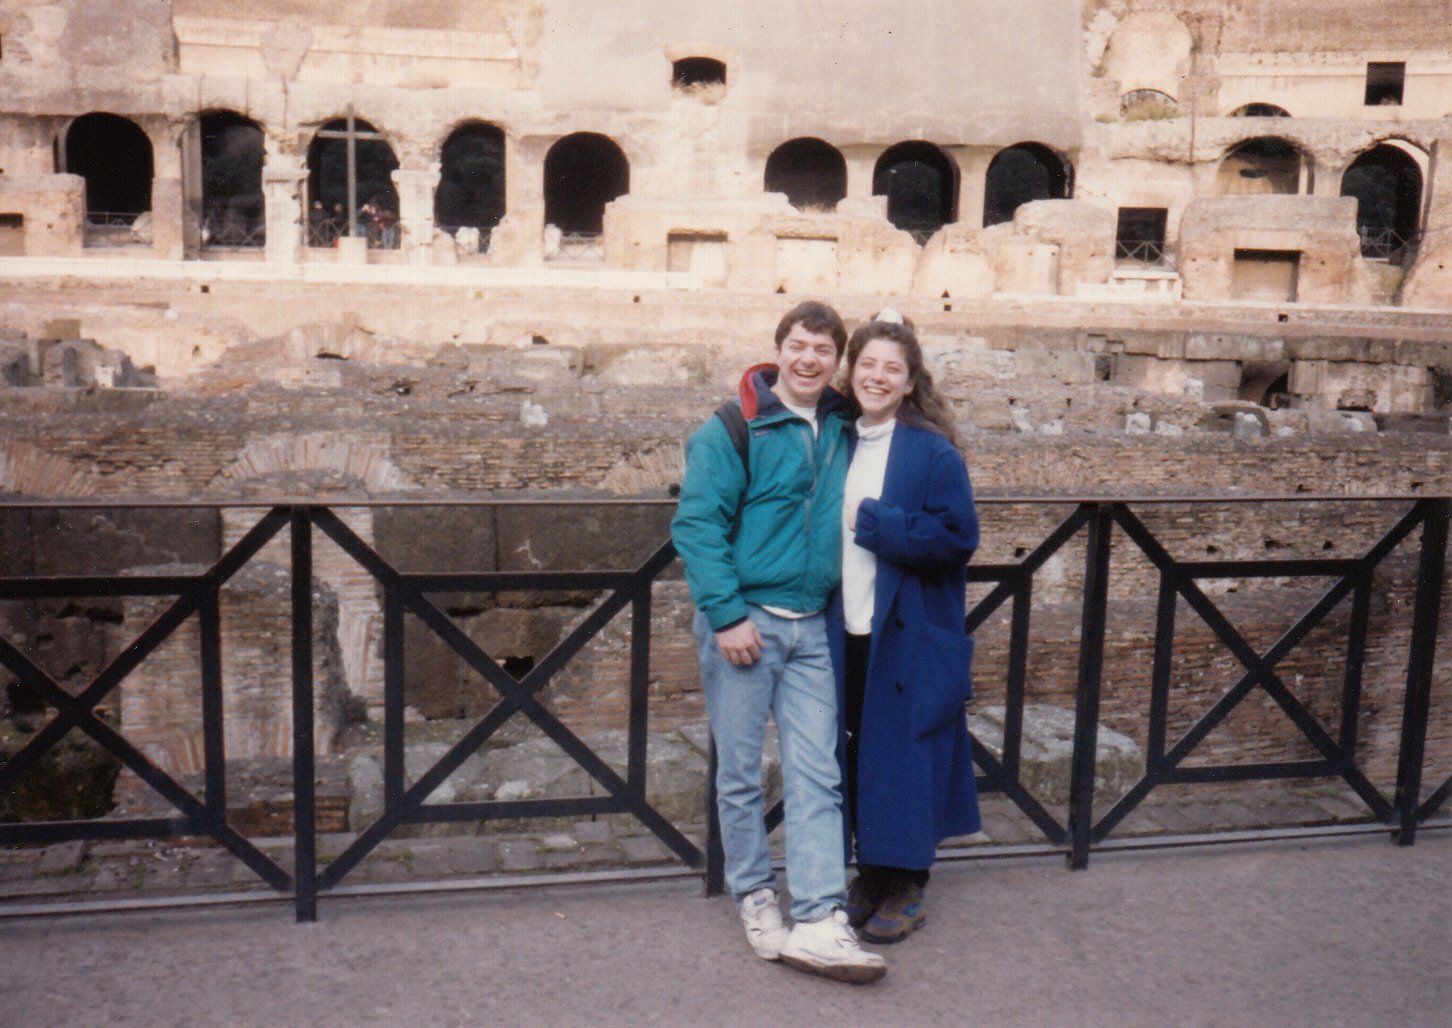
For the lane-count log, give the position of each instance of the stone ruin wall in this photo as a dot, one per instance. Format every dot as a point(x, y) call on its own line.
point(557, 421)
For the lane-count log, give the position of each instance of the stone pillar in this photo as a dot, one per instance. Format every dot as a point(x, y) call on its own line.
point(168, 204)
point(1427, 283)
point(518, 239)
point(416, 211)
point(1330, 166)
point(972, 183)
point(860, 166)
point(282, 191)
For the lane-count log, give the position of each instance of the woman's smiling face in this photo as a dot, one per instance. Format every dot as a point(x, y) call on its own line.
point(880, 380)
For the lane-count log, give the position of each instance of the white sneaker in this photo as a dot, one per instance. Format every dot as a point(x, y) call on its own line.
point(762, 917)
point(829, 947)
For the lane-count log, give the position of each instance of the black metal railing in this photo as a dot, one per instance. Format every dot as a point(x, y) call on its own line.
point(1386, 245)
point(1146, 254)
point(1009, 586)
point(114, 228)
point(579, 246)
point(228, 229)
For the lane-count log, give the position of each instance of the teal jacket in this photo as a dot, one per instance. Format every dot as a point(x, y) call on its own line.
point(786, 550)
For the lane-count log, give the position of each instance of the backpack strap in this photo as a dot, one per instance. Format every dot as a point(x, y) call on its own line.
point(735, 422)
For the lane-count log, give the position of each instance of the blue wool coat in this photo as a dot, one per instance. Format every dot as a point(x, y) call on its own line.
point(915, 762)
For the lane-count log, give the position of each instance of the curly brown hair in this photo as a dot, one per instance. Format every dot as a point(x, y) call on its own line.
point(924, 407)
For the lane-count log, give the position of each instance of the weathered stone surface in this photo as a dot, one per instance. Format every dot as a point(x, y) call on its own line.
point(1048, 749)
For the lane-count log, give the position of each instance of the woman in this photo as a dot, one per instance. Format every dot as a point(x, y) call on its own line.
point(909, 528)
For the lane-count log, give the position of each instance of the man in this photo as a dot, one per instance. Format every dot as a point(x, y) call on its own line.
point(761, 542)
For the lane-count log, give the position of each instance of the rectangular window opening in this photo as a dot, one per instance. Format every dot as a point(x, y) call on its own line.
point(1265, 275)
point(1140, 236)
point(1384, 83)
point(12, 235)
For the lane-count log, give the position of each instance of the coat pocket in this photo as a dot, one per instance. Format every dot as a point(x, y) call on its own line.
point(941, 684)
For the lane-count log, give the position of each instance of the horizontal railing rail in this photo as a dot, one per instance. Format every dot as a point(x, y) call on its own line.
point(1095, 523)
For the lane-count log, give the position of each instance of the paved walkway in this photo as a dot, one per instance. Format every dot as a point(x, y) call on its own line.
point(1346, 932)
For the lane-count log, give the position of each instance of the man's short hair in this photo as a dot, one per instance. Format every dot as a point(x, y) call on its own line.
point(814, 317)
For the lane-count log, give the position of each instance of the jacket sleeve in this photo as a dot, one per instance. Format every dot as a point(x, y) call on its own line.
point(711, 494)
point(941, 536)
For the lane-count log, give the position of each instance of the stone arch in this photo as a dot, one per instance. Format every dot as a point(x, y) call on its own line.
point(1265, 164)
point(582, 173)
point(920, 182)
point(1260, 110)
point(30, 471)
point(471, 178)
point(233, 149)
point(375, 162)
point(366, 461)
point(1148, 105)
point(1387, 183)
point(1024, 172)
point(115, 158)
point(811, 172)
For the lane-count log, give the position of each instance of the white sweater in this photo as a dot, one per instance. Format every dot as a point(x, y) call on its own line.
point(864, 481)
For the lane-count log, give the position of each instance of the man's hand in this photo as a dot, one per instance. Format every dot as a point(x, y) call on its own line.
point(740, 644)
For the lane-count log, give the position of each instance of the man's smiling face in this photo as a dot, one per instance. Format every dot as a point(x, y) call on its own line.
point(806, 361)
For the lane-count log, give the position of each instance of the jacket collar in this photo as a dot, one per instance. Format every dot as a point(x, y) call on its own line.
point(759, 399)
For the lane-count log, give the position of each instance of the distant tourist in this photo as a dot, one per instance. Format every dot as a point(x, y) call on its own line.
point(759, 528)
point(909, 527)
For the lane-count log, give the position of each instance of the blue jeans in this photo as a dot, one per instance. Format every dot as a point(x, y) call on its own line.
point(793, 682)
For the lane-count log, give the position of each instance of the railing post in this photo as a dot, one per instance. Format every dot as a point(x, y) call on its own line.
point(305, 865)
point(1086, 702)
point(715, 855)
point(1431, 569)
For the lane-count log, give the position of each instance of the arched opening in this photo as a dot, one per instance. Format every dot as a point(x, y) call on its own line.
point(1148, 105)
point(812, 174)
point(1024, 172)
point(1265, 383)
point(471, 181)
point(1387, 184)
point(1261, 166)
point(232, 156)
point(1260, 110)
point(350, 167)
point(114, 156)
point(920, 182)
point(582, 173)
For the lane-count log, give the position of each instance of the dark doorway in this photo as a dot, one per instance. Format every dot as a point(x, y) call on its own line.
point(373, 165)
point(471, 180)
point(582, 173)
point(812, 173)
point(920, 182)
point(1021, 173)
point(1387, 184)
point(232, 156)
point(113, 155)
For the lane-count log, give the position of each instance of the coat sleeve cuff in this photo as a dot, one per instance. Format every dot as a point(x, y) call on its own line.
point(724, 617)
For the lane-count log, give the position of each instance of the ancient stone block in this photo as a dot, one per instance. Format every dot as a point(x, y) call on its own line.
point(1048, 749)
